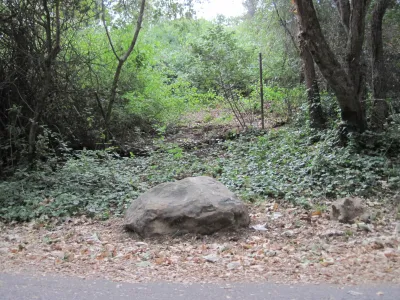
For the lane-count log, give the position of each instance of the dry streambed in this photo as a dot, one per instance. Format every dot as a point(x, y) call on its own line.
point(286, 244)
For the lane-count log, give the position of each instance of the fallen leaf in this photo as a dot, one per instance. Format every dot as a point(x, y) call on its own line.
point(247, 246)
point(327, 262)
point(276, 215)
point(159, 260)
point(390, 253)
point(365, 227)
point(260, 227)
point(141, 244)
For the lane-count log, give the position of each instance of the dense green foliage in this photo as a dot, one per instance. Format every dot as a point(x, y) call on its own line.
point(282, 164)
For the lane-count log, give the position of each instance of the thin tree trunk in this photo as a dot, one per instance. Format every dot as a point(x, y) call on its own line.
point(380, 108)
point(121, 59)
point(51, 55)
point(317, 119)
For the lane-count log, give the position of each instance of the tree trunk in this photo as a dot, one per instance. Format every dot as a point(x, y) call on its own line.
point(346, 82)
point(47, 68)
point(380, 108)
point(121, 59)
point(317, 119)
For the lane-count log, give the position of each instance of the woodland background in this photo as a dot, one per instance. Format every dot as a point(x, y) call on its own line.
point(93, 92)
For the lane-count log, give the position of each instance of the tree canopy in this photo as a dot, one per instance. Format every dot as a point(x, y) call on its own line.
point(90, 74)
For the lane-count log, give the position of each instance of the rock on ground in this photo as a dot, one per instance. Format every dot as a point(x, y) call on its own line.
point(346, 210)
point(192, 205)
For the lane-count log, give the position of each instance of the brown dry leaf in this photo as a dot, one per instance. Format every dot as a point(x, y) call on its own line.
point(306, 217)
point(85, 251)
point(327, 262)
point(316, 213)
point(101, 256)
point(275, 207)
point(247, 246)
point(159, 260)
point(56, 247)
point(391, 253)
point(127, 256)
point(347, 255)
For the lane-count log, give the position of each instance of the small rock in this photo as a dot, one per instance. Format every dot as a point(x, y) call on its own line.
point(211, 258)
point(270, 253)
point(69, 256)
point(58, 254)
point(365, 227)
point(276, 215)
point(258, 268)
point(354, 293)
point(233, 265)
point(376, 244)
point(346, 210)
point(144, 264)
point(366, 218)
point(13, 238)
point(288, 233)
point(397, 229)
point(332, 232)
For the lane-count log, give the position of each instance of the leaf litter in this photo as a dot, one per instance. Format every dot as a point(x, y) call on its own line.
point(298, 246)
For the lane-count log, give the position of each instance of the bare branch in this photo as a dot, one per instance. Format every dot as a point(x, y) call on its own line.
point(103, 18)
point(56, 49)
point(121, 60)
point(136, 35)
point(284, 25)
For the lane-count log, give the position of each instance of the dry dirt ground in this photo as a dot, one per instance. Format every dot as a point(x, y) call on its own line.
point(285, 245)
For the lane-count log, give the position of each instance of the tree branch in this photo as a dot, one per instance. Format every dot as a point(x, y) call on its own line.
point(136, 35)
point(283, 24)
point(103, 19)
point(121, 60)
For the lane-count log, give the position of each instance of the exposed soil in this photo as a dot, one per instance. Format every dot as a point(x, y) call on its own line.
point(203, 128)
point(296, 246)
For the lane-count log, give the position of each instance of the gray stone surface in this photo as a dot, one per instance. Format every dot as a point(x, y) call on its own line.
point(346, 210)
point(192, 205)
point(23, 287)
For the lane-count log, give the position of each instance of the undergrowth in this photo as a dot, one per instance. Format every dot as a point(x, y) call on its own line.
point(285, 164)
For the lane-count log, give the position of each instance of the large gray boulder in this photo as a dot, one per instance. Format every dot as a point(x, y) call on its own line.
point(192, 205)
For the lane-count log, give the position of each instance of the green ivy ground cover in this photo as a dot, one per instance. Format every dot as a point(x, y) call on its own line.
point(281, 164)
